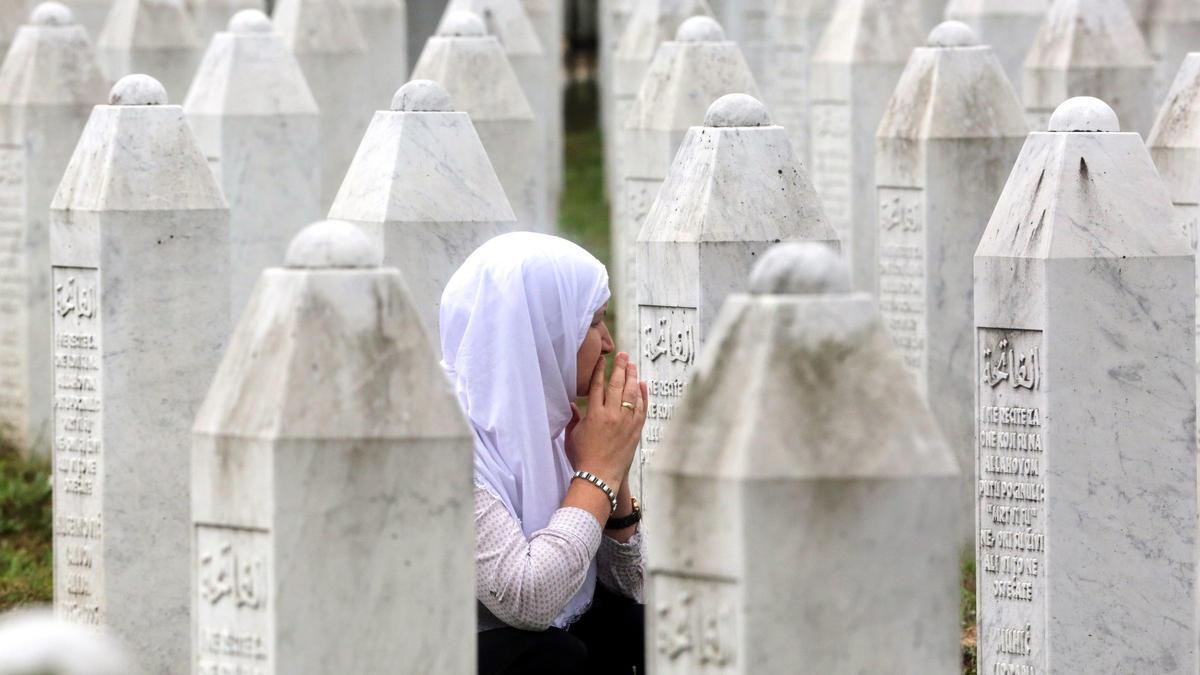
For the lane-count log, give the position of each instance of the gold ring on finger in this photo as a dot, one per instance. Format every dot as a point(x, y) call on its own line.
point(628, 406)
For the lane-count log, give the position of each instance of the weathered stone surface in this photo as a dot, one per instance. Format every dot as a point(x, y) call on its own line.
point(734, 189)
point(855, 69)
point(1008, 26)
point(48, 85)
point(1172, 29)
point(800, 432)
point(385, 26)
point(332, 51)
point(212, 16)
point(944, 150)
point(687, 75)
point(1085, 301)
point(332, 474)
point(548, 19)
point(91, 14)
point(156, 37)
point(1089, 48)
point(259, 126)
point(139, 243)
point(651, 22)
point(473, 68)
point(794, 31)
point(423, 190)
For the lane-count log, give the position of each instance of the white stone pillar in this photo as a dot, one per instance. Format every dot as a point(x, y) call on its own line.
point(651, 23)
point(794, 31)
point(385, 25)
point(48, 85)
point(156, 37)
point(734, 189)
point(212, 16)
point(855, 69)
point(12, 16)
point(1084, 302)
point(1090, 48)
point(332, 470)
point(332, 51)
point(1008, 26)
point(687, 74)
point(947, 142)
point(258, 123)
point(548, 19)
point(1172, 29)
point(799, 501)
point(90, 13)
point(472, 66)
point(423, 190)
point(747, 22)
point(613, 19)
point(139, 243)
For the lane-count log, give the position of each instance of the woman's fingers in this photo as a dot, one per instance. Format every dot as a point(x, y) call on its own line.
point(632, 388)
point(616, 383)
point(596, 390)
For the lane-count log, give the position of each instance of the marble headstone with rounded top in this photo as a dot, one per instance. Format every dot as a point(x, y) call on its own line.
point(331, 48)
point(156, 37)
point(793, 33)
point(944, 149)
point(1085, 301)
point(1008, 26)
point(651, 23)
point(1172, 29)
point(139, 248)
point(854, 71)
point(331, 469)
point(687, 75)
point(259, 125)
point(798, 506)
point(423, 190)
point(734, 189)
point(91, 14)
point(48, 85)
point(1089, 48)
point(212, 16)
point(473, 67)
point(385, 26)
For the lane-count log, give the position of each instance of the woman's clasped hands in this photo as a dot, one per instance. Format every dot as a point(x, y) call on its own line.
point(604, 441)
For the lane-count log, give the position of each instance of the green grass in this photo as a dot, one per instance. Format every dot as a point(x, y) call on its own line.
point(26, 575)
point(583, 210)
point(967, 609)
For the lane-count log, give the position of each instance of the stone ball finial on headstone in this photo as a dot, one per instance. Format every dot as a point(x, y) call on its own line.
point(737, 110)
point(249, 21)
point(463, 23)
point(1084, 113)
point(332, 244)
point(800, 268)
point(52, 14)
point(138, 89)
point(422, 96)
point(952, 34)
point(700, 29)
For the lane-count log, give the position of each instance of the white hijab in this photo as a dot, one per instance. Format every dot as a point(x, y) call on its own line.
point(513, 318)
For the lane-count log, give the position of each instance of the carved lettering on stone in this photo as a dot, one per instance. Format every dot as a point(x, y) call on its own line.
point(695, 620)
point(233, 624)
point(831, 151)
point(667, 348)
point(14, 294)
point(902, 300)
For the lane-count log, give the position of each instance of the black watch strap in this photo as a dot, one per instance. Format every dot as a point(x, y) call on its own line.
point(626, 521)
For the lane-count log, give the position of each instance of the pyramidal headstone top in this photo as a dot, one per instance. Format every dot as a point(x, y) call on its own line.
point(1008, 26)
point(424, 191)
point(151, 36)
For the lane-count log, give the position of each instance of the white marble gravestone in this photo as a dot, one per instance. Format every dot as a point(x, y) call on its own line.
point(331, 466)
point(548, 17)
point(1090, 48)
point(1008, 26)
point(856, 66)
point(12, 15)
point(794, 31)
point(611, 22)
point(688, 73)
point(91, 14)
point(1172, 29)
point(259, 125)
point(1085, 302)
point(156, 37)
point(799, 500)
point(385, 26)
point(139, 243)
point(747, 22)
point(212, 16)
point(734, 189)
point(423, 190)
point(472, 66)
point(332, 51)
point(944, 150)
point(651, 22)
point(48, 85)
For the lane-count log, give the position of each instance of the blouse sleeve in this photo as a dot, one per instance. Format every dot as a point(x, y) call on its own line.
point(621, 568)
point(526, 583)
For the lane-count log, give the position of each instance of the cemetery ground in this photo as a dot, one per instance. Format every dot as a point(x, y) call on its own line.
point(25, 494)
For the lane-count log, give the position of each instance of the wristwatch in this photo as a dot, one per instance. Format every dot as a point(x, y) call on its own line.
point(627, 521)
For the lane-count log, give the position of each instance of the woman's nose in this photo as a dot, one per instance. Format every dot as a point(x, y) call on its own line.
point(606, 345)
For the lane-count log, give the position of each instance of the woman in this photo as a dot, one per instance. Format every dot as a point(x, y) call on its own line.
point(557, 556)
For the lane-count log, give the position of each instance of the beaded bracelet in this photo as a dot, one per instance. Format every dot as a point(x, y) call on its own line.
point(595, 480)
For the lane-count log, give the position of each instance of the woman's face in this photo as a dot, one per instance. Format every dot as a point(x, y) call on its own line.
point(597, 343)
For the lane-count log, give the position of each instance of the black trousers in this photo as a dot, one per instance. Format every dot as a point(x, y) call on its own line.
point(608, 640)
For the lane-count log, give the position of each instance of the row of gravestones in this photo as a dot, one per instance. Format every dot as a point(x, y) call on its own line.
point(279, 127)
